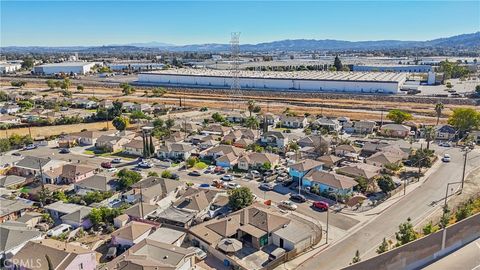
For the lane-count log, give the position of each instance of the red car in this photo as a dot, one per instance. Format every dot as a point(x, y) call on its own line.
point(321, 205)
point(106, 165)
point(219, 169)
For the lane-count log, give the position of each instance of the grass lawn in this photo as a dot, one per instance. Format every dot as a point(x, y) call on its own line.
point(99, 153)
point(89, 152)
point(200, 165)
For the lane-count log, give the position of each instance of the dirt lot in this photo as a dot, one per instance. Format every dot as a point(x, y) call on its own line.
point(53, 130)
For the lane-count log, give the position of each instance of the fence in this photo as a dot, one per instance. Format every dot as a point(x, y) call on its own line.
point(426, 250)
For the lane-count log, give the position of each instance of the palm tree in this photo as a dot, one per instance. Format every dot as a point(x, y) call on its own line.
point(251, 106)
point(252, 122)
point(429, 135)
point(438, 109)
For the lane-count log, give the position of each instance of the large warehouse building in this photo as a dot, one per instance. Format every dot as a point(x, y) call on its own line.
point(394, 68)
point(64, 67)
point(308, 81)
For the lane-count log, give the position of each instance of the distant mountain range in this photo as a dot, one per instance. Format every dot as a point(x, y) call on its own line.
point(466, 41)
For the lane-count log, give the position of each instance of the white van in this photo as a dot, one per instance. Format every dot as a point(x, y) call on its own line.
point(62, 228)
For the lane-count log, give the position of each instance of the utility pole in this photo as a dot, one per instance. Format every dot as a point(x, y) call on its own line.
point(467, 150)
point(328, 210)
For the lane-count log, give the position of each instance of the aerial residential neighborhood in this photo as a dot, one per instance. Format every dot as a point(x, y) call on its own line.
point(235, 152)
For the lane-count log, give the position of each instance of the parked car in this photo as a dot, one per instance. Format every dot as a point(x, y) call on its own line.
point(112, 170)
point(210, 169)
point(446, 158)
point(17, 154)
point(298, 198)
point(137, 169)
point(106, 165)
point(199, 253)
point(114, 202)
point(268, 173)
point(111, 253)
point(266, 186)
point(116, 160)
point(445, 144)
point(287, 183)
point(321, 205)
point(289, 205)
point(227, 177)
point(232, 185)
point(145, 165)
point(194, 173)
point(204, 185)
point(219, 170)
point(175, 176)
point(30, 147)
point(280, 179)
point(64, 151)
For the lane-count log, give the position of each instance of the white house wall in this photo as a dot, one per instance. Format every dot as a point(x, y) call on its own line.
point(283, 84)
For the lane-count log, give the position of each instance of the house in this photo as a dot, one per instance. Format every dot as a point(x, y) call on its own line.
point(330, 125)
point(135, 147)
point(95, 183)
point(221, 150)
point(370, 148)
point(199, 200)
point(152, 254)
point(187, 127)
point(14, 235)
point(244, 133)
point(329, 182)
point(176, 137)
point(175, 217)
point(293, 121)
point(111, 143)
point(227, 161)
point(347, 150)
point(205, 144)
point(168, 236)
point(274, 139)
point(10, 109)
point(216, 129)
point(11, 120)
point(121, 221)
point(254, 160)
point(87, 137)
point(329, 161)
point(30, 166)
point(157, 191)
point(140, 211)
point(143, 107)
point(128, 106)
point(313, 141)
point(237, 117)
point(270, 118)
point(175, 151)
point(383, 158)
point(298, 170)
point(78, 218)
point(72, 173)
point(105, 104)
point(395, 130)
point(59, 209)
point(12, 209)
point(12, 181)
point(445, 132)
point(30, 219)
point(54, 254)
point(360, 170)
point(243, 143)
point(131, 234)
point(256, 227)
point(364, 127)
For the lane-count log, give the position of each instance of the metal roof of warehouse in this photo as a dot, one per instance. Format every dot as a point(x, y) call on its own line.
point(300, 75)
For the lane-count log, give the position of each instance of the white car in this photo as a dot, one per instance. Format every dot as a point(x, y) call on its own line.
point(446, 158)
point(232, 185)
point(289, 205)
point(116, 160)
point(112, 170)
point(144, 164)
point(227, 177)
point(266, 186)
point(30, 147)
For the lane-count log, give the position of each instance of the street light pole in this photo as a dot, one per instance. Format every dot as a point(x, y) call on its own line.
point(328, 229)
point(467, 150)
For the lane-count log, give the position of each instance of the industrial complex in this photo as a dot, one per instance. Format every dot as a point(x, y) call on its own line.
point(313, 81)
point(64, 67)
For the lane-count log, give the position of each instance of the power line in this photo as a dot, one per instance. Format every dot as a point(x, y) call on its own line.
point(235, 89)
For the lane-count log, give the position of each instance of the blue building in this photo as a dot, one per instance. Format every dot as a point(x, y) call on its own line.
point(298, 170)
point(329, 182)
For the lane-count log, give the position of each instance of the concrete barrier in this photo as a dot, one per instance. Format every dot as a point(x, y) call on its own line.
point(426, 250)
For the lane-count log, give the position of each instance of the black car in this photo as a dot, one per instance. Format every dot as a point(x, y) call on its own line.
point(194, 173)
point(297, 198)
point(175, 176)
point(287, 183)
point(64, 151)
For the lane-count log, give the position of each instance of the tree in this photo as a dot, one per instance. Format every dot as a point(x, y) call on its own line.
point(28, 63)
point(65, 84)
point(127, 89)
point(120, 123)
point(464, 211)
point(152, 174)
point(252, 122)
point(51, 83)
point(239, 198)
point(5, 145)
point(3, 96)
point(159, 91)
point(217, 117)
point(445, 219)
point(293, 146)
point(137, 114)
point(430, 133)
point(59, 196)
point(356, 258)
point(465, 119)
point(80, 88)
point(126, 178)
point(18, 83)
point(422, 158)
point(405, 233)
point(191, 161)
point(337, 63)
point(438, 110)
point(383, 246)
point(266, 166)
point(169, 123)
point(385, 183)
point(398, 116)
point(253, 107)
point(166, 174)
point(428, 228)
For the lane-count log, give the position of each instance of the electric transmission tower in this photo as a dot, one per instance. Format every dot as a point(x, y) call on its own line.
point(235, 89)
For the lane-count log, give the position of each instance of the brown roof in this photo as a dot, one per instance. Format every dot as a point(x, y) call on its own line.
point(347, 147)
point(384, 158)
point(331, 179)
point(305, 165)
point(256, 158)
point(329, 160)
point(360, 170)
point(133, 230)
point(72, 170)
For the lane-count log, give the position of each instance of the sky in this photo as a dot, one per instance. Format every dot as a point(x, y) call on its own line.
point(87, 23)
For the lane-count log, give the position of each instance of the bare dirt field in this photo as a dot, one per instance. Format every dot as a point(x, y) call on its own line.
point(53, 130)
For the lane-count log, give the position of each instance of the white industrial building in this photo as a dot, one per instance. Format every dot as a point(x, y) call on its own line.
point(9, 67)
point(307, 81)
point(120, 66)
point(64, 67)
point(394, 68)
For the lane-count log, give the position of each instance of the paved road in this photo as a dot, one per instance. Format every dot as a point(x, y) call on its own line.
point(466, 258)
point(416, 205)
